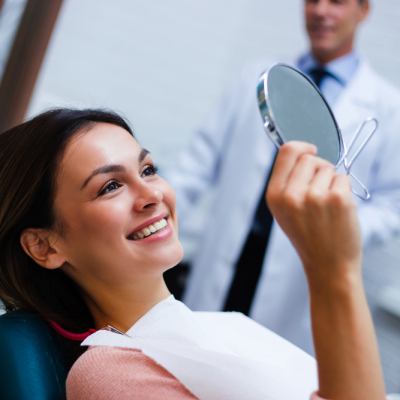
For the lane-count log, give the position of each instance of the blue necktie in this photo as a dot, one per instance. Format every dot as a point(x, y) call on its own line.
point(319, 74)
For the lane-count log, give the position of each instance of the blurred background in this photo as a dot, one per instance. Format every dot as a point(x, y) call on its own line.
point(164, 65)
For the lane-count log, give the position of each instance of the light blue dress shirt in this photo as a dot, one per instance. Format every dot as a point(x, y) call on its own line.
point(343, 68)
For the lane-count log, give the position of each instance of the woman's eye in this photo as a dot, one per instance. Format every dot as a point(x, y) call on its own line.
point(149, 170)
point(110, 187)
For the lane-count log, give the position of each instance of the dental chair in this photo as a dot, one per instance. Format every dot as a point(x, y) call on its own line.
point(33, 360)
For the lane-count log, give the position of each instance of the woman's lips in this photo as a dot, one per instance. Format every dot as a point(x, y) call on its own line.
point(150, 221)
point(149, 229)
point(163, 233)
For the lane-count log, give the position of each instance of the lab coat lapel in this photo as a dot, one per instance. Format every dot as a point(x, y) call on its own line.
point(357, 102)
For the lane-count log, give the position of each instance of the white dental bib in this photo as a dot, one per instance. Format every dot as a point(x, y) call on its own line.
point(218, 355)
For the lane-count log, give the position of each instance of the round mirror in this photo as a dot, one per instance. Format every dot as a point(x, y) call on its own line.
point(293, 108)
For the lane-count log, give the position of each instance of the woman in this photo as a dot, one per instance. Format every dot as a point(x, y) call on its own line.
point(87, 229)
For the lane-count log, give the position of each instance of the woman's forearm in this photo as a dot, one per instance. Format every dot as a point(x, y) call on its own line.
point(345, 343)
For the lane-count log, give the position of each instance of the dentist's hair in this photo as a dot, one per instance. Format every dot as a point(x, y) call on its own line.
point(30, 154)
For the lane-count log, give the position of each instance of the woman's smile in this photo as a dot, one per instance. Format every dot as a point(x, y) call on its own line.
point(156, 227)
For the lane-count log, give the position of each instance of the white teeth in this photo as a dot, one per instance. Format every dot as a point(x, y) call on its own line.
point(152, 228)
point(146, 231)
point(157, 225)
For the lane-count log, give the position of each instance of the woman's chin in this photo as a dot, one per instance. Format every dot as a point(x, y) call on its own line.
point(176, 258)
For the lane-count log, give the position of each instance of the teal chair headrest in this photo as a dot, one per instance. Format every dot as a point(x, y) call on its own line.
point(32, 363)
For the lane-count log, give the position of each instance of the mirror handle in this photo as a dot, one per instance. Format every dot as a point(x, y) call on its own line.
point(348, 159)
point(358, 188)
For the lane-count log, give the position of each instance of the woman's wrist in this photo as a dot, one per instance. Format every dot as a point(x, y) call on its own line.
point(344, 340)
point(337, 301)
point(334, 281)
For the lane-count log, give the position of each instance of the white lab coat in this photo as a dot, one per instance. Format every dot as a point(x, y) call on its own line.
point(232, 155)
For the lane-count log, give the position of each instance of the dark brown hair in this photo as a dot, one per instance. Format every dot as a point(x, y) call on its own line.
point(29, 158)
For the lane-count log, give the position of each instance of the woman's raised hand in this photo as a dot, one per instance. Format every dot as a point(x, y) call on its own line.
point(314, 206)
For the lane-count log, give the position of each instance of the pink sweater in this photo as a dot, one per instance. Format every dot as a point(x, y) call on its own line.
point(110, 373)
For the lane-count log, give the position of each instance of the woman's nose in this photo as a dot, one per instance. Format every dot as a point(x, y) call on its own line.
point(147, 196)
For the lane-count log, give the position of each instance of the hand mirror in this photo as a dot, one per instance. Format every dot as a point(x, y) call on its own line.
point(293, 108)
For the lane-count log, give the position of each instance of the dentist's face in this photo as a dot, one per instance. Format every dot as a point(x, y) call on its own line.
point(118, 215)
point(332, 24)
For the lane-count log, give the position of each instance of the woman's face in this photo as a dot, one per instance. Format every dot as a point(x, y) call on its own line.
point(118, 216)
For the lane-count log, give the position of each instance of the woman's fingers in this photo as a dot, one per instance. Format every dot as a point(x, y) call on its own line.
point(306, 174)
point(287, 158)
point(296, 168)
point(341, 184)
point(321, 183)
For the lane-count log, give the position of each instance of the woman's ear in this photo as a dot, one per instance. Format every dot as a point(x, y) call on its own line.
point(40, 245)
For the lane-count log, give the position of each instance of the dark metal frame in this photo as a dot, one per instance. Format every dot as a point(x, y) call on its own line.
point(25, 59)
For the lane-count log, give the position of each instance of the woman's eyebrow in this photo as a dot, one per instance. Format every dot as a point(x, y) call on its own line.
point(106, 169)
point(143, 154)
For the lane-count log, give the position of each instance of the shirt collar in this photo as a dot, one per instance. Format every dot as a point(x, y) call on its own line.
point(343, 67)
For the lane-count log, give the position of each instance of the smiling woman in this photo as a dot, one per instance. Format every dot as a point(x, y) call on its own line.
point(87, 229)
point(105, 179)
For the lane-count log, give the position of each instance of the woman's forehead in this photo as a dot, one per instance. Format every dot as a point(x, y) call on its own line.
point(102, 144)
point(102, 140)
